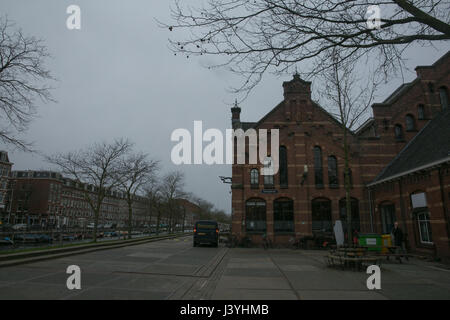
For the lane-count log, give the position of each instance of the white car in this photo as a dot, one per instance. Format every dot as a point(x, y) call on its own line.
point(20, 226)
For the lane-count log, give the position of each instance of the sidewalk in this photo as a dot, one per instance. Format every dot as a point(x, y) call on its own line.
point(302, 274)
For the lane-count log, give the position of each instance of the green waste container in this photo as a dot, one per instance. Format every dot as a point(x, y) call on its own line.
point(371, 240)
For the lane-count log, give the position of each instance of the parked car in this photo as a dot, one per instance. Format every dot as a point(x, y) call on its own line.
point(27, 238)
point(110, 234)
point(19, 226)
point(68, 237)
point(90, 226)
point(6, 227)
point(6, 242)
point(108, 225)
point(206, 232)
point(45, 238)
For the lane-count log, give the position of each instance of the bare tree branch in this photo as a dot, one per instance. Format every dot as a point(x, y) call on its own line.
point(259, 36)
point(97, 168)
point(23, 80)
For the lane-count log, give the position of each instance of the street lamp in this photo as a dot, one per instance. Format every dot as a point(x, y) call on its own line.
point(225, 179)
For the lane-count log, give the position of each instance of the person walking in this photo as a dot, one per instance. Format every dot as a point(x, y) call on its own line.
point(397, 235)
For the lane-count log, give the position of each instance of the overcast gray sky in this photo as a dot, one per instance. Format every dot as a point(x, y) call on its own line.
point(117, 78)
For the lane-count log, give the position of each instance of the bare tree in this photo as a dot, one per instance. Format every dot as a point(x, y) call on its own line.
point(23, 79)
point(96, 168)
point(274, 35)
point(172, 188)
point(154, 199)
point(135, 171)
point(348, 98)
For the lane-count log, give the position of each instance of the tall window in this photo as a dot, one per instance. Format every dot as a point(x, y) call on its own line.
point(254, 178)
point(255, 215)
point(318, 172)
point(332, 172)
point(321, 215)
point(423, 219)
point(443, 94)
point(387, 217)
point(421, 112)
point(410, 123)
point(354, 205)
point(283, 215)
point(268, 181)
point(283, 167)
point(398, 132)
point(268, 178)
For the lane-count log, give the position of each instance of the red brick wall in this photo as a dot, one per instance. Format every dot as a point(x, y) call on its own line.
point(303, 125)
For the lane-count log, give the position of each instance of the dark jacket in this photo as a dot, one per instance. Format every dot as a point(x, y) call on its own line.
point(398, 236)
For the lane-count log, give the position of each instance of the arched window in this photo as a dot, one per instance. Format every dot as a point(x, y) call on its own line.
point(354, 205)
point(283, 167)
point(333, 172)
point(398, 132)
point(410, 123)
point(321, 215)
point(421, 112)
point(387, 212)
point(443, 94)
point(283, 215)
point(254, 178)
point(419, 205)
point(423, 220)
point(318, 172)
point(255, 215)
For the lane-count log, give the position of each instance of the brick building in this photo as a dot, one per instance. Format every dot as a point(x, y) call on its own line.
point(48, 199)
point(5, 172)
point(189, 212)
point(307, 194)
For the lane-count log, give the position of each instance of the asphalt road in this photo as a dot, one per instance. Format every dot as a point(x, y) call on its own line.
point(174, 269)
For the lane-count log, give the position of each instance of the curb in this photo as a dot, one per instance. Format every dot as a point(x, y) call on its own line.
point(23, 258)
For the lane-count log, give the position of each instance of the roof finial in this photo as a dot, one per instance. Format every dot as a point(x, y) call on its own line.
point(235, 103)
point(296, 74)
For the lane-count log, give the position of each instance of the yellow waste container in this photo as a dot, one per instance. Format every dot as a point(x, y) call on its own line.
point(386, 241)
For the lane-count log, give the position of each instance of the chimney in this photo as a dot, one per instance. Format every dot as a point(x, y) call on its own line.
point(235, 115)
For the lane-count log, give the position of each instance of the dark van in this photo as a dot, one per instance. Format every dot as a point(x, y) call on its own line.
point(206, 232)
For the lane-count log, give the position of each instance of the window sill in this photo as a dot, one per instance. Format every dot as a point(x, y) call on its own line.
point(426, 245)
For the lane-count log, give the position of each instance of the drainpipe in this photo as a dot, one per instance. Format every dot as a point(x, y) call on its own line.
point(402, 210)
point(444, 201)
point(370, 209)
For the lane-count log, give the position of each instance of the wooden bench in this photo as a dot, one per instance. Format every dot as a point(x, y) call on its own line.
point(391, 253)
point(352, 259)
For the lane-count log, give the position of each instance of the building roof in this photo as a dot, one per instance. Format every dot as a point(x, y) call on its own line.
point(430, 146)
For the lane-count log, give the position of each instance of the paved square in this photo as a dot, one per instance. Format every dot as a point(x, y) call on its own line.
point(172, 269)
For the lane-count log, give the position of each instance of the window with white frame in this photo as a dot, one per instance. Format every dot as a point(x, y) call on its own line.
point(423, 220)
